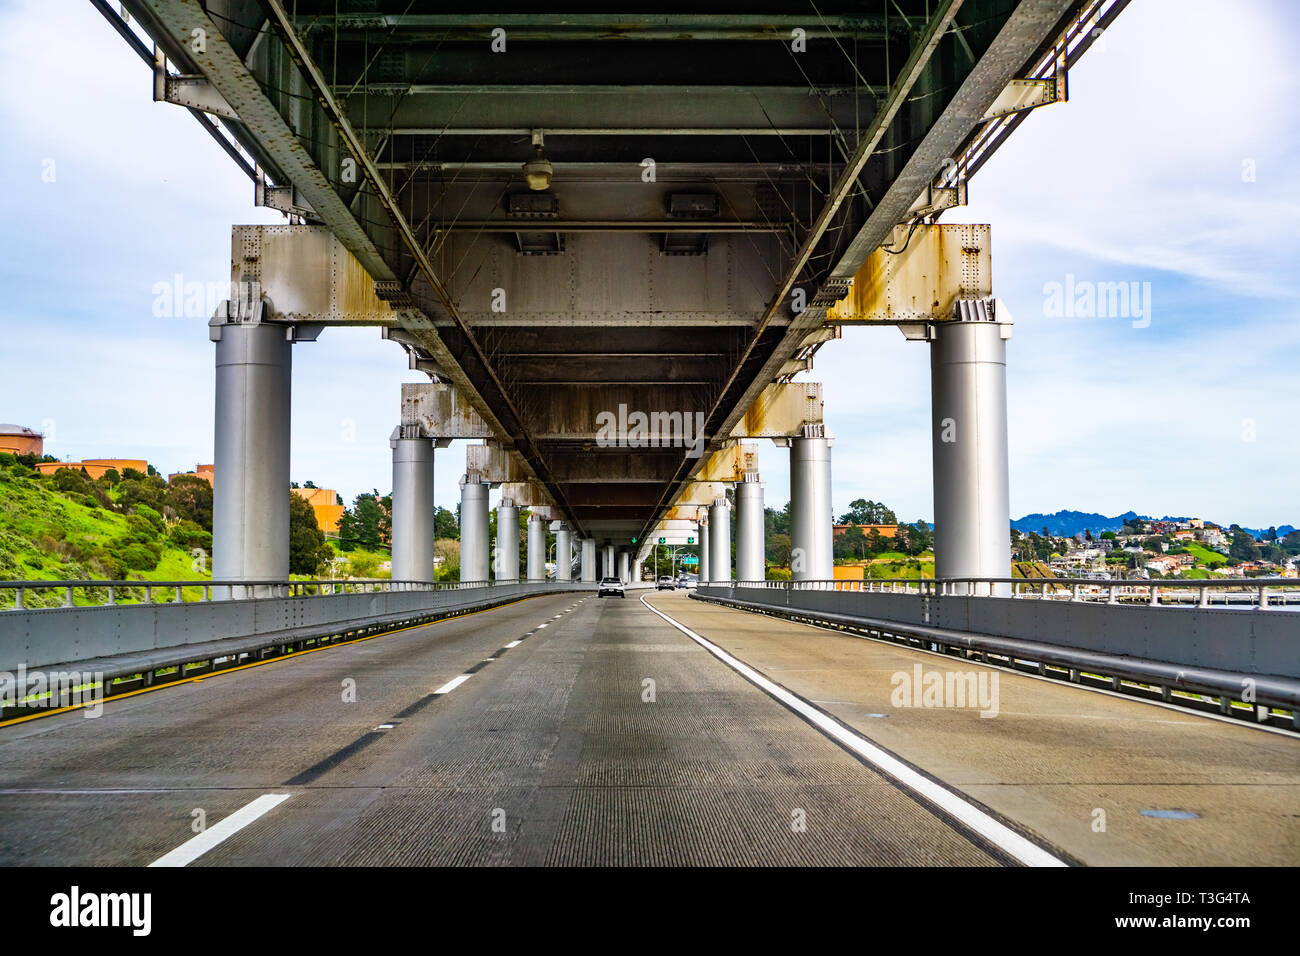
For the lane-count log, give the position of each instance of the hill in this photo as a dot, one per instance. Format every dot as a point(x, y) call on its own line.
point(1066, 524)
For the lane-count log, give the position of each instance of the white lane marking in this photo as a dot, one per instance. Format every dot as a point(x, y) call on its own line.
point(452, 684)
point(514, 643)
point(540, 626)
point(976, 819)
point(192, 849)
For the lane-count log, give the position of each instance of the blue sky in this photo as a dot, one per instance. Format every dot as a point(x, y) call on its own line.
point(1170, 165)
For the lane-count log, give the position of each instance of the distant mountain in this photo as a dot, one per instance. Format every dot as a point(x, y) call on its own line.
point(1066, 524)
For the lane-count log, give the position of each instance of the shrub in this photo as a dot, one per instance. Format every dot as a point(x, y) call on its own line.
point(137, 557)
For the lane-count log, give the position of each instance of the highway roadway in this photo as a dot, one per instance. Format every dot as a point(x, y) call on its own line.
point(573, 730)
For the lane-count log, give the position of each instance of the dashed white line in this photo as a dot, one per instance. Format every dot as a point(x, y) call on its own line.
point(452, 684)
point(514, 643)
point(192, 849)
point(950, 803)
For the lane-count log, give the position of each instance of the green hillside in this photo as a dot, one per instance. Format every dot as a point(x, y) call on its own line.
point(67, 527)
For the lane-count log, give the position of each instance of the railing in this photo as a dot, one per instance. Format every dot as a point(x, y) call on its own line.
point(113, 593)
point(1255, 593)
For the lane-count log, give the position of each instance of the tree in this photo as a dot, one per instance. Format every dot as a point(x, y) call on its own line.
point(445, 525)
point(1243, 547)
point(191, 496)
point(922, 536)
point(308, 551)
point(851, 544)
point(364, 524)
point(868, 512)
point(778, 549)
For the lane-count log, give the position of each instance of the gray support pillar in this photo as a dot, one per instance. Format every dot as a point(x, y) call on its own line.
point(588, 560)
point(637, 571)
point(607, 568)
point(250, 499)
point(751, 562)
point(811, 556)
point(703, 566)
point(412, 508)
point(720, 541)
point(623, 572)
point(536, 548)
point(972, 506)
point(507, 541)
point(563, 554)
point(473, 529)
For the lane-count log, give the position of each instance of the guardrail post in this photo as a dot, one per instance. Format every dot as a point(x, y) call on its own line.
point(1263, 597)
point(1203, 596)
point(112, 597)
point(1155, 595)
point(18, 599)
point(179, 598)
point(148, 594)
point(1074, 592)
point(67, 597)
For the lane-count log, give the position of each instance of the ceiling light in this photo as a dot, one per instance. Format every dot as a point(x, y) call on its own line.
point(538, 170)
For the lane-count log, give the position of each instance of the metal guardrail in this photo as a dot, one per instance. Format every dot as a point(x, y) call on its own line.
point(1256, 593)
point(1259, 697)
point(140, 638)
point(100, 593)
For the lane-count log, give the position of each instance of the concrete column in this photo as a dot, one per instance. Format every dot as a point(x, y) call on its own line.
point(589, 560)
point(810, 506)
point(703, 566)
point(623, 574)
point(413, 508)
point(972, 506)
point(563, 554)
point(250, 499)
point(720, 541)
point(751, 563)
point(536, 548)
point(473, 529)
point(507, 541)
point(637, 571)
point(607, 568)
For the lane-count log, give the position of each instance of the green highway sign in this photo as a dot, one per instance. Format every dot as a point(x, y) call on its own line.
point(690, 559)
point(663, 540)
point(690, 540)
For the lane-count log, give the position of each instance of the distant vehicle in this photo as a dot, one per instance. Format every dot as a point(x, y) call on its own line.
point(688, 581)
point(666, 583)
point(611, 586)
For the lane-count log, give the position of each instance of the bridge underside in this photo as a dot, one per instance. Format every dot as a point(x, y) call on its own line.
point(704, 186)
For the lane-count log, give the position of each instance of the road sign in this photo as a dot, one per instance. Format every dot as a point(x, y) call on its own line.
point(690, 559)
point(690, 540)
point(663, 540)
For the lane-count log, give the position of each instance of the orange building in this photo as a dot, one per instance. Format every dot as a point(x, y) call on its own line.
point(95, 467)
point(885, 530)
point(21, 440)
point(323, 501)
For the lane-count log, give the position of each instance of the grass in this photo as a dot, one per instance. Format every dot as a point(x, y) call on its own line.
point(1204, 555)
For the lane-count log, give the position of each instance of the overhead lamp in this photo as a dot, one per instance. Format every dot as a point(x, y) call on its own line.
point(538, 170)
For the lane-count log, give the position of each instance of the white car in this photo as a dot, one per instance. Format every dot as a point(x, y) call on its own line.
point(611, 586)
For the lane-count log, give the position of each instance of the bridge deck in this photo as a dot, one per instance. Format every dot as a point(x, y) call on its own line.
point(554, 733)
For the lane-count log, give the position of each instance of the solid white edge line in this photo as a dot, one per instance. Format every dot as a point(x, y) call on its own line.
point(192, 849)
point(997, 833)
point(452, 684)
